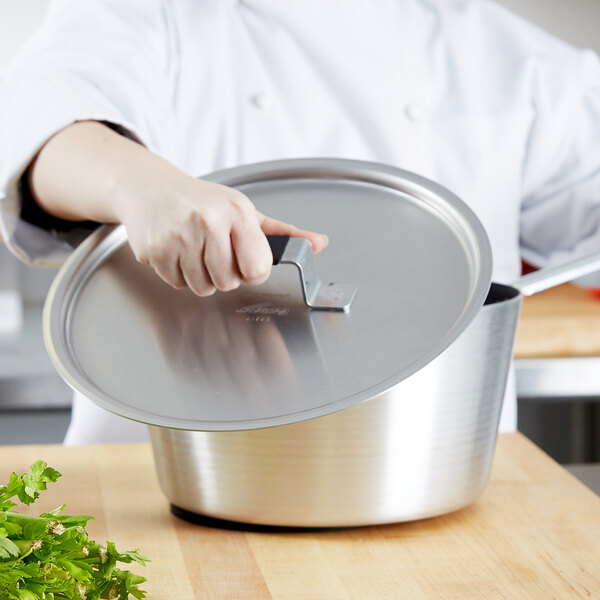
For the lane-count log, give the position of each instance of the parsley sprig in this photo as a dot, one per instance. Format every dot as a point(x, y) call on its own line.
point(50, 557)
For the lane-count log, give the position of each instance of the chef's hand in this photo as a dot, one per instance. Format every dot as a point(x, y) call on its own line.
point(201, 234)
point(193, 233)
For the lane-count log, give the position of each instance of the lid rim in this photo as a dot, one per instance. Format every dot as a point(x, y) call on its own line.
point(61, 292)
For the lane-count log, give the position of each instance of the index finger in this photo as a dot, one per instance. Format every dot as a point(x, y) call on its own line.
point(272, 226)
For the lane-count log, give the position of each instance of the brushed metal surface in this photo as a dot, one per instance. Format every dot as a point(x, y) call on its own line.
point(316, 293)
point(257, 357)
point(421, 449)
point(549, 277)
point(574, 378)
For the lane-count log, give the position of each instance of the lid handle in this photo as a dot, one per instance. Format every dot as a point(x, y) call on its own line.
point(317, 295)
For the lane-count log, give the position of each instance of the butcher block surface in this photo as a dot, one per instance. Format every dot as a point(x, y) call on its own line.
point(560, 322)
point(535, 533)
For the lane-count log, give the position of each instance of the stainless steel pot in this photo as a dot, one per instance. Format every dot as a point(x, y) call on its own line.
point(265, 412)
point(421, 449)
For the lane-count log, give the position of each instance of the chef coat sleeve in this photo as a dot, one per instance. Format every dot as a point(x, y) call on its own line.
point(560, 212)
point(105, 60)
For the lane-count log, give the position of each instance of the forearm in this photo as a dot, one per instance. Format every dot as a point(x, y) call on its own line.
point(192, 232)
point(87, 171)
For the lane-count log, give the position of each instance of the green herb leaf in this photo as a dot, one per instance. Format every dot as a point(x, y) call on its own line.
point(27, 487)
point(25, 595)
point(8, 548)
point(50, 557)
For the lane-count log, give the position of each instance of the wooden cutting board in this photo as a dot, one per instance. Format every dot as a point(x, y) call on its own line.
point(561, 322)
point(535, 533)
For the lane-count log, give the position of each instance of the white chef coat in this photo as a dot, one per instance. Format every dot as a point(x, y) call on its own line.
point(462, 92)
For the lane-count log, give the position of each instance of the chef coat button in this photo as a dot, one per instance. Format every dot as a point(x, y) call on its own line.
point(414, 112)
point(261, 100)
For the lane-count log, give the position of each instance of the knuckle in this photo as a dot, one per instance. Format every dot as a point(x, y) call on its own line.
point(163, 247)
point(200, 286)
point(166, 277)
point(179, 284)
point(142, 257)
point(226, 284)
point(240, 204)
point(236, 197)
point(155, 252)
point(204, 291)
point(207, 220)
point(140, 252)
point(171, 282)
point(257, 273)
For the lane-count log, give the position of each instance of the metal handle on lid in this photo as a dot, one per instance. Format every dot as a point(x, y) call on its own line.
point(317, 295)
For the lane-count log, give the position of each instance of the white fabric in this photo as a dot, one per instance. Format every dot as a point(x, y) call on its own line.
point(92, 424)
point(461, 92)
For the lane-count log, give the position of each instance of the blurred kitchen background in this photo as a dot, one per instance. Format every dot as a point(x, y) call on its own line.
point(559, 398)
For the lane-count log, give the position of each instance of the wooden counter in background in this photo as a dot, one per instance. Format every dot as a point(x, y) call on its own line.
point(560, 322)
point(534, 534)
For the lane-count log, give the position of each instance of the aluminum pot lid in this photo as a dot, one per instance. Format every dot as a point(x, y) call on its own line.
point(416, 256)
